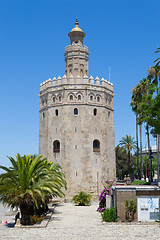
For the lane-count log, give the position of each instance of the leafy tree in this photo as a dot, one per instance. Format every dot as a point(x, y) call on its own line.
point(129, 144)
point(146, 104)
point(121, 162)
point(29, 183)
point(150, 104)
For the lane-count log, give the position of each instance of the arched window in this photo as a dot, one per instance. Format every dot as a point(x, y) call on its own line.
point(54, 99)
point(56, 112)
point(56, 146)
point(91, 98)
point(75, 111)
point(43, 115)
point(96, 145)
point(71, 97)
point(79, 97)
point(60, 98)
point(98, 99)
point(95, 111)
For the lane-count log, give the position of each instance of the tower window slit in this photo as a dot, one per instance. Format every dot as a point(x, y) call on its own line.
point(95, 111)
point(75, 111)
point(56, 112)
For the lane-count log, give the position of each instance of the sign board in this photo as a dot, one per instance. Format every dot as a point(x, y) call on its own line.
point(148, 208)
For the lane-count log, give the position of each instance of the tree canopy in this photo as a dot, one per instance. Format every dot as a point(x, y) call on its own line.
point(29, 183)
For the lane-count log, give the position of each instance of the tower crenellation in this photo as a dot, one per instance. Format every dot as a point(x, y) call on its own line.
point(78, 80)
point(76, 121)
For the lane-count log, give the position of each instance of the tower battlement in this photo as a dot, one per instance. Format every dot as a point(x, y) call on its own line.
point(57, 82)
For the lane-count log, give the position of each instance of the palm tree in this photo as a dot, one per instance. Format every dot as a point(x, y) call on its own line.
point(137, 95)
point(29, 183)
point(128, 143)
point(135, 100)
point(134, 103)
point(157, 61)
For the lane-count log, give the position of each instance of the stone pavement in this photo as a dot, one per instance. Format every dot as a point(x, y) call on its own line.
point(79, 223)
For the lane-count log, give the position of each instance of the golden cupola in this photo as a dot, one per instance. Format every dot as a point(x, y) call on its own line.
point(76, 35)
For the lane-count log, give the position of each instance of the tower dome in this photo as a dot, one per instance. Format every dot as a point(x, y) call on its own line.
point(76, 35)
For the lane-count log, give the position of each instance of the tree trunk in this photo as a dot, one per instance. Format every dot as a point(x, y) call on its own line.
point(158, 157)
point(137, 148)
point(129, 163)
point(147, 128)
point(140, 128)
point(26, 212)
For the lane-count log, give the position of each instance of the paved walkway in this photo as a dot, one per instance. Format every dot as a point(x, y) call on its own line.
point(79, 223)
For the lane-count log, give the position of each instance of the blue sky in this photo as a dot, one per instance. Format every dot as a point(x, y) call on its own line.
point(33, 35)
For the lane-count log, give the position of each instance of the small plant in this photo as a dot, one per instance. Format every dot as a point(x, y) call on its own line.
point(109, 215)
point(36, 219)
point(131, 208)
point(82, 199)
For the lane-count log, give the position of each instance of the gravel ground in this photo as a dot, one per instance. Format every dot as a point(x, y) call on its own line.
point(78, 223)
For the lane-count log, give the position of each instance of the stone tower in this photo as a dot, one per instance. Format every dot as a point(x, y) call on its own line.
point(76, 124)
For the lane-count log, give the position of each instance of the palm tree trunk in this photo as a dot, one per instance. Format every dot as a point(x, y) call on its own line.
point(137, 147)
point(129, 162)
point(158, 158)
point(140, 128)
point(148, 139)
point(26, 212)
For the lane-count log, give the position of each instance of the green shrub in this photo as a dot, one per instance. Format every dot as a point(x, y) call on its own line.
point(138, 182)
point(109, 215)
point(82, 199)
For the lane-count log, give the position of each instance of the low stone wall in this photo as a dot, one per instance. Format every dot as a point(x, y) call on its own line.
point(123, 193)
